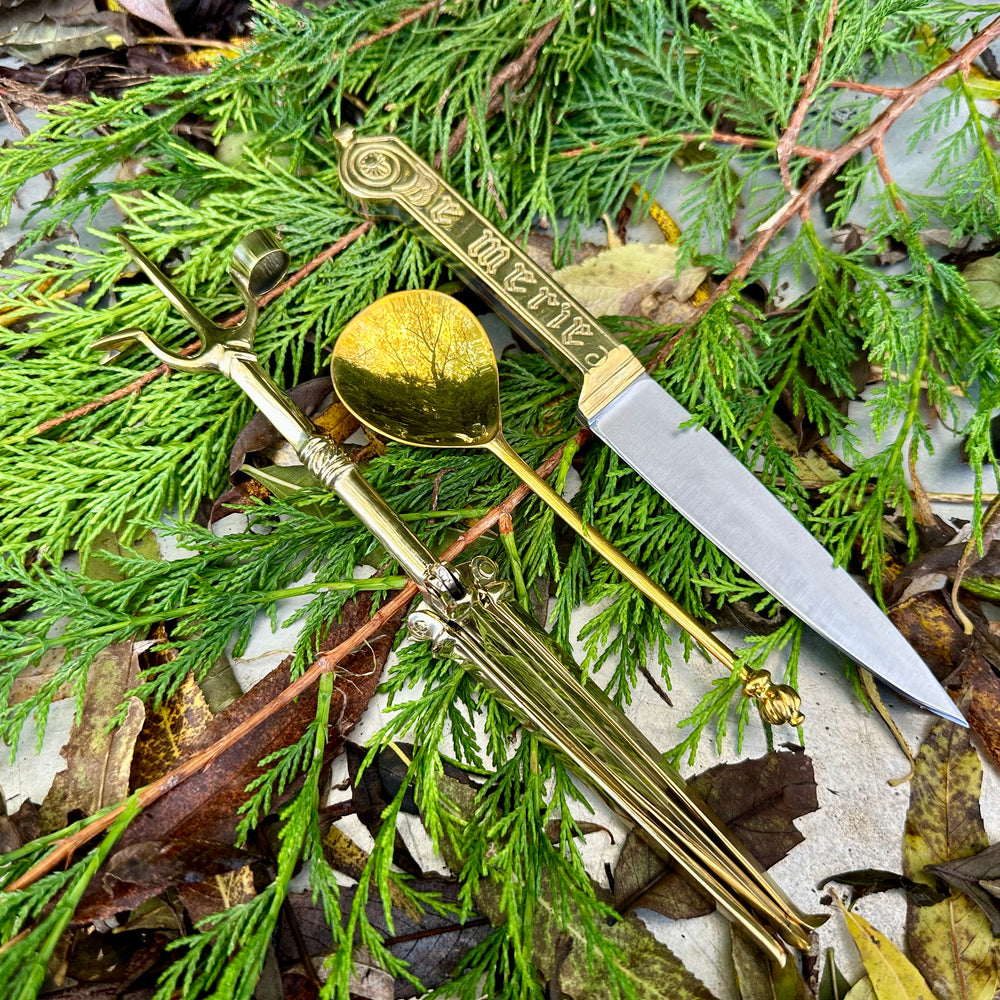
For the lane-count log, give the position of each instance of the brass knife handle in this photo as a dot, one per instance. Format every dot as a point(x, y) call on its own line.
point(390, 179)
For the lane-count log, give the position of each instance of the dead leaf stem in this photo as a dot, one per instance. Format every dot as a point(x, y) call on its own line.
point(195, 43)
point(800, 200)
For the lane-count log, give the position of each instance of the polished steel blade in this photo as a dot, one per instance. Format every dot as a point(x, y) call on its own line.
point(696, 473)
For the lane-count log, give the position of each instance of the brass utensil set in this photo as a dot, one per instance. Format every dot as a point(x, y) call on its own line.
point(417, 367)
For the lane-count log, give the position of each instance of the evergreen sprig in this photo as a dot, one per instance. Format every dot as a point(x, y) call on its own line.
point(540, 111)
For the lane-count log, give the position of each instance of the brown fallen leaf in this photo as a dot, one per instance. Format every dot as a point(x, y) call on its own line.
point(865, 881)
point(965, 664)
point(540, 248)
point(433, 944)
point(142, 870)
point(758, 799)
point(155, 11)
point(205, 807)
point(206, 898)
point(258, 435)
point(98, 758)
point(67, 34)
point(170, 731)
point(28, 681)
point(113, 958)
point(19, 828)
point(933, 630)
point(977, 680)
point(949, 942)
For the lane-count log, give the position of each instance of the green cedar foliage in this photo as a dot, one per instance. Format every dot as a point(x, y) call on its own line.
point(618, 92)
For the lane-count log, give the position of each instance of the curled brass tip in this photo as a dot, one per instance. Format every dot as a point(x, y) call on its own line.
point(259, 260)
point(778, 704)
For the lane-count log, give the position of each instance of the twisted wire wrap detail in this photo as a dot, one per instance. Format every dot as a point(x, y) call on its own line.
point(324, 460)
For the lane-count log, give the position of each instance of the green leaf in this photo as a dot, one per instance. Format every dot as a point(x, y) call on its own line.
point(982, 277)
point(832, 985)
point(105, 559)
point(862, 990)
point(951, 941)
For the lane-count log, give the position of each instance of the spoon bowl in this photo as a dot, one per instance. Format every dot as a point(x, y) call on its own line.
point(418, 368)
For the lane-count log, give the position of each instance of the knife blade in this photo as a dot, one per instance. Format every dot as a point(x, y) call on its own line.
point(638, 419)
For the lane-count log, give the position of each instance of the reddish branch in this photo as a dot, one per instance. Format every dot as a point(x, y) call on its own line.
point(136, 386)
point(810, 152)
point(867, 88)
point(787, 141)
point(326, 662)
point(515, 73)
point(878, 151)
point(408, 18)
point(800, 200)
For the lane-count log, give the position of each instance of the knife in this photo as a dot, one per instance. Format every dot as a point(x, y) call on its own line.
point(638, 419)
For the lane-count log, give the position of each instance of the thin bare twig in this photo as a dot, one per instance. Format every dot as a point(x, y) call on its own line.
point(788, 139)
point(810, 152)
point(194, 43)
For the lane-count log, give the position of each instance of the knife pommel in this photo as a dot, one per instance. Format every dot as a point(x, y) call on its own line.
point(386, 175)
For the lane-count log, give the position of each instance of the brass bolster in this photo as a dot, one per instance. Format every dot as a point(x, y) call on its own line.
point(607, 379)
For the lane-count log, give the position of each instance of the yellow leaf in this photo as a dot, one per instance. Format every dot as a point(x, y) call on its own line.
point(638, 279)
point(205, 57)
point(861, 990)
point(950, 941)
point(893, 976)
point(338, 422)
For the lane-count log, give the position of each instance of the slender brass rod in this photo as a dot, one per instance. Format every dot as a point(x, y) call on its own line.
point(502, 449)
point(663, 822)
point(615, 757)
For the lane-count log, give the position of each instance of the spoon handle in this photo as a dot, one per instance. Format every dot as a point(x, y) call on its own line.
point(501, 447)
point(778, 702)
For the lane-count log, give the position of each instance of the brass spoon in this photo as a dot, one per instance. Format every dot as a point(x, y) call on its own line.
point(417, 367)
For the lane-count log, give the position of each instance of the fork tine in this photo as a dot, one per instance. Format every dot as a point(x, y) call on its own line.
point(208, 330)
